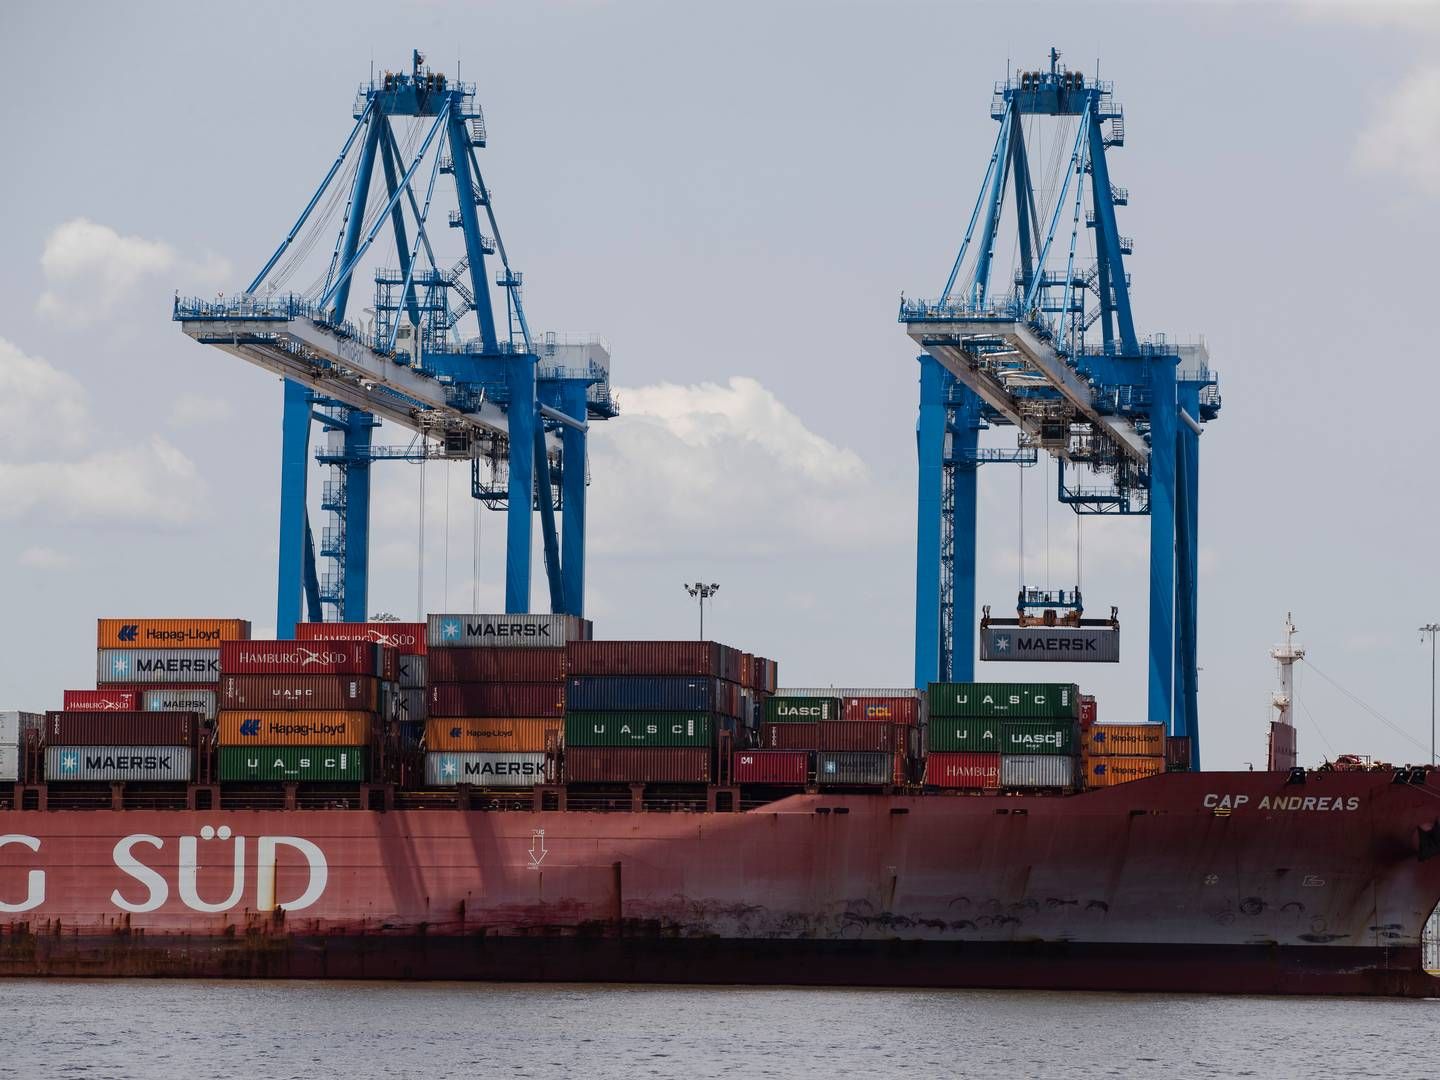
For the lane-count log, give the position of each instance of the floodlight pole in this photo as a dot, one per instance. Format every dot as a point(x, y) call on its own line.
point(702, 592)
point(1432, 629)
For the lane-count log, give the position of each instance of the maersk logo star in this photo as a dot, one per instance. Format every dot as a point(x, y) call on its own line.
point(120, 665)
point(450, 629)
point(1002, 642)
point(69, 762)
point(448, 768)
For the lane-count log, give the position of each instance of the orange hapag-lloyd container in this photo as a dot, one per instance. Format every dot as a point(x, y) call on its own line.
point(1134, 740)
point(168, 633)
point(1120, 769)
point(294, 727)
point(500, 733)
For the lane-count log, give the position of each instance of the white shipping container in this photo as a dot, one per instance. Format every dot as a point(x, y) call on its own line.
point(9, 764)
point(157, 665)
point(1037, 770)
point(196, 701)
point(412, 672)
point(446, 769)
point(117, 763)
point(533, 631)
point(13, 722)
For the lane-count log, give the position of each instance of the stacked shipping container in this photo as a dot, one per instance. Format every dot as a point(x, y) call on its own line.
point(405, 710)
point(13, 727)
point(1118, 753)
point(985, 736)
point(846, 738)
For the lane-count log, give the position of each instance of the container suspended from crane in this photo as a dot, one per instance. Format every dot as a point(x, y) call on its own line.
point(1121, 415)
point(518, 408)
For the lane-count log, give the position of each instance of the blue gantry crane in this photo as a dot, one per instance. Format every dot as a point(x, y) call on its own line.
point(517, 406)
point(1121, 415)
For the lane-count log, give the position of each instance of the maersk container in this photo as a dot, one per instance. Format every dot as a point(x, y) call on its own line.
point(957, 733)
point(446, 769)
point(1038, 737)
point(121, 728)
point(858, 735)
point(957, 770)
point(642, 728)
point(307, 658)
point(14, 723)
point(407, 639)
point(616, 764)
point(654, 658)
point(1143, 740)
point(301, 763)
point(299, 692)
point(496, 699)
point(412, 673)
point(525, 631)
point(785, 709)
point(1111, 770)
point(168, 633)
point(789, 767)
point(850, 767)
point(663, 693)
point(331, 727)
point(158, 665)
point(1006, 701)
point(1037, 771)
point(102, 700)
point(137, 763)
point(891, 710)
point(790, 736)
point(191, 701)
point(497, 664)
point(508, 734)
point(9, 764)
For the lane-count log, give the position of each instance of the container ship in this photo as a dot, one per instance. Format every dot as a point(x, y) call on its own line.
point(507, 798)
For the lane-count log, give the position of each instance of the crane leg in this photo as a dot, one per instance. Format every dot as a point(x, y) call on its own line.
point(572, 483)
point(519, 524)
point(965, 440)
point(1164, 418)
point(294, 526)
point(358, 427)
point(930, 448)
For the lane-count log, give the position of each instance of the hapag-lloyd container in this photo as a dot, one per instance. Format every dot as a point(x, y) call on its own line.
point(412, 673)
point(138, 763)
point(102, 700)
point(407, 639)
point(307, 658)
point(791, 767)
point(957, 770)
point(496, 699)
point(302, 763)
point(168, 633)
point(516, 770)
point(492, 735)
point(859, 735)
point(197, 701)
point(1005, 701)
point(801, 710)
point(615, 764)
point(958, 733)
point(654, 658)
point(790, 736)
point(1038, 737)
point(157, 666)
point(9, 764)
point(850, 767)
point(665, 693)
point(893, 710)
point(527, 631)
point(299, 692)
point(498, 664)
point(239, 727)
point(121, 728)
point(1111, 770)
point(1134, 740)
point(640, 729)
point(1037, 771)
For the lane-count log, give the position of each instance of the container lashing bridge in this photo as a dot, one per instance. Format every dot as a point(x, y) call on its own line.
point(1120, 415)
point(517, 406)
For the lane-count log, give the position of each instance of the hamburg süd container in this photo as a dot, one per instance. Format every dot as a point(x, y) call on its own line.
point(663, 693)
point(1038, 737)
point(958, 733)
point(407, 639)
point(9, 764)
point(858, 735)
point(513, 770)
point(1005, 701)
point(654, 658)
point(197, 701)
point(790, 736)
point(526, 631)
point(307, 658)
point(506, 734)
point(302, 763)
point(947, 769)
point(1116, 769)
point(121, 728)
point(1037, 771)
point(157, 666)
point(851, 767)
point(1143, 740)
point(102, 700)
point(801, 710)
point(496, 699)
point(790, 767)
point(168, 633)
point(626, 764)
point(640, 729)
point(334, 727)
point(135, 763)
point(497, 664)
point(892, 710)
point(299, 692)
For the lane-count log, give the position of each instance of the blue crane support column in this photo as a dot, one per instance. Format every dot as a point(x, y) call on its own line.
point(1187, 592)
point(519, 517)
point(1163, 421)
point(358, 427)
point(545, 497)
point(930, 449)
point(294, 527)
point(964, 442)
point(572, 491)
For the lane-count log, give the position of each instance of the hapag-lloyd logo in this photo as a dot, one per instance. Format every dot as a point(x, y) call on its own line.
point(149, 889)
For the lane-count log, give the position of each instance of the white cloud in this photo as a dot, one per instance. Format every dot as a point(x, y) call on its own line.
point(1405, 136)
point(153, 482)
point(193, 410)
point(40, 405)
point(44, 558)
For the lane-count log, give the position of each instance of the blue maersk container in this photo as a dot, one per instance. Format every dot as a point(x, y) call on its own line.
point(643, 692)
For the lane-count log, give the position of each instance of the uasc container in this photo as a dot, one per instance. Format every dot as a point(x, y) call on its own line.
point(407, 639)
point(958, 770)
point(134, 763)
point(168, 633)
point(1011, 701)
point(1037, 771)
point(102, 700)
point(239, 727)
point(640, 729)
point(522, 770)
point(616, 764)
point(496, 664)
point(157, 666)
point(1143, 740)
point(300, 763)
point(1038, 737)
point(494, 734)
point(1112, 770)
point(790, 767)
point(849, 767)
point(197, 701)
point(496, 699)
point(801, 710)
point(299, 692)
point(121, 728)
point(526, 631)
point(951, 733)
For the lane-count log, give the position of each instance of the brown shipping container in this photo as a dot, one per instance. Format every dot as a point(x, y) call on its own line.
point(948, 769)
point(503, 733)
point(102, 700)
point(612, 765)
point(897, 710)
point(1143, 740)
point(1088, 710)
point(168, 633)
point(316, 727)
point(300, 692)
point(771, 767)
point(790, 736)
point(653, 658)
point(856, 735)
point(1111, 770)
point(407, 639)
point(121, 728)
point(498, 664)
point(496, 699)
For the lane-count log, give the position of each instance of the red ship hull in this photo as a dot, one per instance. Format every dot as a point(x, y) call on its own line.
point(1218, 882)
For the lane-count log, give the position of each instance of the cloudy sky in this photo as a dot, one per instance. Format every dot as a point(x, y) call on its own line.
point(735, 199)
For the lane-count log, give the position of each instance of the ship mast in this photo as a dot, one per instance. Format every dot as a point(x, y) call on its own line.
point(1281, 754)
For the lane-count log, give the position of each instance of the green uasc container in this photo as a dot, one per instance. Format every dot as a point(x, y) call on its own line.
point(1038, 737)
point(801, 710)
point(639, 729)
point(293, 762)
point(962, 733)
point(1006, 701)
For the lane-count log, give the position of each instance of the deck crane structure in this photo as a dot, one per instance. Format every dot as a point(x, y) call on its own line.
point(516, 406)
point(1122, 415)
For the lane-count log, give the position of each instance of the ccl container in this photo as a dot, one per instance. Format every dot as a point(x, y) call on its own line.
point(958, 733)
point(445, 769)
point(407, 639)
point(1142, 740)
point(138, 763)
point(498, 664)
point(617, 764)
point(790, 736)
point(307, 658)
point(496, 699)
point(785, 709)
point(508, 734)
point(1177, 753)
point(412, 673)
point(201, 702)
point(891, 710)
point(525, 631)
point(1038, 737)
point(654, 658)
point(857, 735)
point(1006, 701)
point(168, 633)
point(640, 729)
point(956, 770)
point(299, 692)
point(9, 764)
point(241, 727)
point(14, 723)
point(121, 728)
point(1116, 769)
point(790, 767)
point(849, 767)
point(1088, 709)
point(302, 763)
point(143, 666)
point(665, 693)
point(102, 700)
point(1037, 771)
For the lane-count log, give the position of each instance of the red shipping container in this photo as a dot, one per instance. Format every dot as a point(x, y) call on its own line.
point(299, 692)
point(407, 639)
point(653, 658)
point(1177, 753)
point(956, 770)
point(121, 728)
point(771, 766)
point(790, 736)
point(500, 664)
point(897, 710)
point(619, 765)
point(102, 700)
point(858, 735)
point(307, 658)
point(538, 700)
point(1087, 709)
